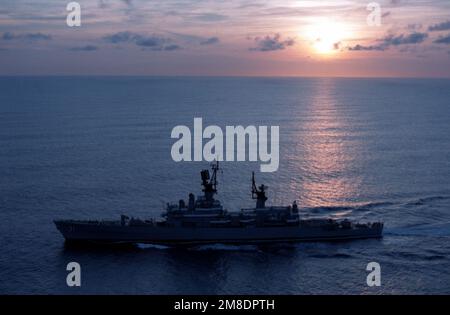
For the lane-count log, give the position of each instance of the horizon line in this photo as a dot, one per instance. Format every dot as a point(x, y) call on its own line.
point(223, 76)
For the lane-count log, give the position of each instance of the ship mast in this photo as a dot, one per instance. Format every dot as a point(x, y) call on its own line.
point(259, 193)
point(209, 183)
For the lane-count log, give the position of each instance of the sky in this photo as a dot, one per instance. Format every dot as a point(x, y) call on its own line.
point(227, 38)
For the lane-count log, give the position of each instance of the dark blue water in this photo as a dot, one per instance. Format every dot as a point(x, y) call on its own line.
point(366, 149)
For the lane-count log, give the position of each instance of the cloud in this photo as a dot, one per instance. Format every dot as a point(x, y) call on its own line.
point(40, 18)
point(413, 38)
point(443, 40)
point(152, 42)
point(26, 36)
point(210, 17)
point(271, 43)
point(392, 40)
point(250, 5)
point(149, 41)
point(84, 48)
point(127, 2)
point(155, 43)
point(210, 41)
point(361, 47)
point(104, 4)
point(120, 37)
point(172, 47)
point(444, 26)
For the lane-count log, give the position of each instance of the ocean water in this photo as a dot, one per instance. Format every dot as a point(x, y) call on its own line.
point(97, 147)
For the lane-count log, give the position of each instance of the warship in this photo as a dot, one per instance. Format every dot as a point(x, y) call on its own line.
point(205, 220)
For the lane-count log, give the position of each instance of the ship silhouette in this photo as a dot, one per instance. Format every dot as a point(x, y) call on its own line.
point(204, 220)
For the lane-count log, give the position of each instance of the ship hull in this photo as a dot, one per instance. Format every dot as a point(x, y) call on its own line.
point(98, 233)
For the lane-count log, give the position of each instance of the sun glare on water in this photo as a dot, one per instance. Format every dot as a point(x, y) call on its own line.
point(326, 36)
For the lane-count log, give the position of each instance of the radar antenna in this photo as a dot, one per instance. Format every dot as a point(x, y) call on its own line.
point(259, 193)
point(209, 183)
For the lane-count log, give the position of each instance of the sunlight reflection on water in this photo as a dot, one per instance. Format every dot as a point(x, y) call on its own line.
point(327, 151)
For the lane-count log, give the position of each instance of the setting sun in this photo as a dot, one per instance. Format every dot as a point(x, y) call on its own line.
point(326, 36)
